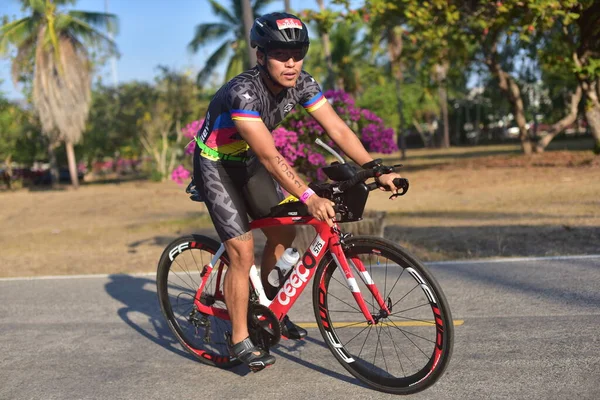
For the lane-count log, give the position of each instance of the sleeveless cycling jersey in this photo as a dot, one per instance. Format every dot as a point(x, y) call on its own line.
point(246, 97)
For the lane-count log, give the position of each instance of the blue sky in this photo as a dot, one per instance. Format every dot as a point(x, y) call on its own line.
point(152, 32)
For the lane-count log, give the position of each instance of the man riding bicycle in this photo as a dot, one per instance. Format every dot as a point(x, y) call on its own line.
point(238, 171)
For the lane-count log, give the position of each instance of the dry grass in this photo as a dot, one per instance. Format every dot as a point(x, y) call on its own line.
point(463, 203)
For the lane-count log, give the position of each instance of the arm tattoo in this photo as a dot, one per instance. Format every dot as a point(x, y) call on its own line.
point(285, 168)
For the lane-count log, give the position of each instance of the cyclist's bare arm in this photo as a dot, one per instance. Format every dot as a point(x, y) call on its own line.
point(347, 140)
point(260, 140)
point(341, 134)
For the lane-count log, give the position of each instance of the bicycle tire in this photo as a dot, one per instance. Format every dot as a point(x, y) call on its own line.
point(183, 260)
point(423, 326)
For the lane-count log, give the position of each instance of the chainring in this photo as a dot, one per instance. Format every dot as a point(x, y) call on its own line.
point(263, 326)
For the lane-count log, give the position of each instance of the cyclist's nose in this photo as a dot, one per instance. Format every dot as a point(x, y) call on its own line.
point(290, 62)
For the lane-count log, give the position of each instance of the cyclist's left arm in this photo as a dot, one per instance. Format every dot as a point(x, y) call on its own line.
point(341, 134)
point(347, 140)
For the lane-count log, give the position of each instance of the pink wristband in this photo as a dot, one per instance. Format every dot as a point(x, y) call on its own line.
point(307, 193)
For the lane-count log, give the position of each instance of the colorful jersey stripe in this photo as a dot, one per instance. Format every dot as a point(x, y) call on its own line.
point(245, 115)
point(317, 101)
point(223, 121)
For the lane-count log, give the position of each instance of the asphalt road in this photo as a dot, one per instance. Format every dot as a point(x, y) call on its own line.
point(531, 331)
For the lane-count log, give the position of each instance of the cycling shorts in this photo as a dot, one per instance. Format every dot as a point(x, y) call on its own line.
point(233, 191)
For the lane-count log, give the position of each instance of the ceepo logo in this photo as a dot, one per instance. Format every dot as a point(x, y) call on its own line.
point(298, 277)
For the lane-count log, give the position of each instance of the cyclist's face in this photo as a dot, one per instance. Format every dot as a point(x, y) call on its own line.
point(285, 65)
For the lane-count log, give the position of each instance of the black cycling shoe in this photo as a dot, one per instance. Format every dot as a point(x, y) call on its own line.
point(292, 331)
point(244, 351)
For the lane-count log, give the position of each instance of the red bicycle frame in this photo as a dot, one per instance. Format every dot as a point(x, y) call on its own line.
point(326, 238)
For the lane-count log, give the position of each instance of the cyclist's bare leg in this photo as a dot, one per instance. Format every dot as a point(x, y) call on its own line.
point(278, 239)
point(241, 256)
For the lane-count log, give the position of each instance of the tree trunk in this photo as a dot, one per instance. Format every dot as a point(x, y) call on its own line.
point(559, 126)
point(592, 112)
point(163, 156)
point(591, 88)
point(327, 50)
point(287, 7)
point(72, 163)
point(395, 46)
point(53, 164)
point(177, 145)
point(248, 21)
point(593, 118)
point(7, 173)
point(441, 72)
point(509, 86)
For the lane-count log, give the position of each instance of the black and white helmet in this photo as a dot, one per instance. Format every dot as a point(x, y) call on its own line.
point(279, 30)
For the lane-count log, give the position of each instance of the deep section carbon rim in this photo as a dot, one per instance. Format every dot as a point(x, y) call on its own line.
point(183, 268)
point(407, 349)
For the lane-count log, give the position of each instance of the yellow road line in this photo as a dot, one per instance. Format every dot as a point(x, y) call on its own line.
point(306, 325)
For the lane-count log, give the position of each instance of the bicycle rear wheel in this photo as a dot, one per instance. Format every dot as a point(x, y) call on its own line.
point(405, 351)
point(181, 272)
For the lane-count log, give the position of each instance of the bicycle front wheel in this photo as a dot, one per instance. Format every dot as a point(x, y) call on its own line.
point(407, 349)
point(191, 298)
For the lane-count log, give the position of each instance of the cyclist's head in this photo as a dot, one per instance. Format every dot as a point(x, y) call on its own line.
point(279, 31)
point(280, 37)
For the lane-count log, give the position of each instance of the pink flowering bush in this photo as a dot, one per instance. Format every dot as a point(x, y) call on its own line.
point(189, 132)
point(180, 175)
point(183, 171)
point(295, 137)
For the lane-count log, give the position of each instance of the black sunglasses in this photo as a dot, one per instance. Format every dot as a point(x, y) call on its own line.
point(283, 55)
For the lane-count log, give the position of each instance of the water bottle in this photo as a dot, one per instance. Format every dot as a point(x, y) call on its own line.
point(288, 259)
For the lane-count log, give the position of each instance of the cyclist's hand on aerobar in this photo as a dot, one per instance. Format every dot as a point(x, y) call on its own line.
point(387, 180)
point(321, 209)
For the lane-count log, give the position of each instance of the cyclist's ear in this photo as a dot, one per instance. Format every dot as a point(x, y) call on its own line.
point(260, 56)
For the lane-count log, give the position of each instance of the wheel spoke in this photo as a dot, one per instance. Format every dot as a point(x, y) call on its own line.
point(411, 308)
point(416, 320)
point(363, 345)
point(406, 333)
point(401, 298)
point(348, 304)
point(187, 272)
point(396, 350)
point(355, 336)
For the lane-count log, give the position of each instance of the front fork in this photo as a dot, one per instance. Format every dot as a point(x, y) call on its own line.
point(344, 264)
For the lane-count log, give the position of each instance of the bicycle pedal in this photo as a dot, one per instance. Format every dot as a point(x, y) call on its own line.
point(257, 368)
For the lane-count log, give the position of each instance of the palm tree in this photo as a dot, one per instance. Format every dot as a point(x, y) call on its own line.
point(231, 31)
point(387, 31)
point(347, 55)
point(55, 44)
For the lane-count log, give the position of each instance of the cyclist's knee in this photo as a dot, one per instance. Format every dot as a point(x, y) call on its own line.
point(241, 251)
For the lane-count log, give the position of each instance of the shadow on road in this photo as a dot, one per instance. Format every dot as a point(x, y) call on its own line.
point(138, 295)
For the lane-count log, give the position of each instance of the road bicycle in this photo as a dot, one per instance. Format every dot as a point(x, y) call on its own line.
point(391, 328)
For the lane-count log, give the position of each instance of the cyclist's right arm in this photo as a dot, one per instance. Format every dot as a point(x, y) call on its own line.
point(260, 140)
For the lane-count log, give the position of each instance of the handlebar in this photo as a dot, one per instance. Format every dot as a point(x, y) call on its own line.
point(361, 176)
